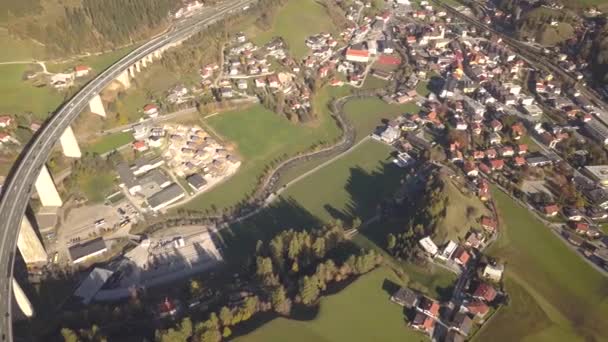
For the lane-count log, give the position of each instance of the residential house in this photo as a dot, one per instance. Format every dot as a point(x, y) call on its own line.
point(496, 125)
point(495, 138)
point(461, 256)
point(507, 151)
point(474, 240)
point(151, 110)
point(81, 70)
point(406, 297)
point(572, 214)
point(485, 292)
point(140, 146)
point(551, 210)
point(429, 307)
point(462, 323)
point(273, 81)
point(519, 161)
point(522, 149)
point(470, 169)
point(488, 224)
point(493, 272)
point(428, 245)
point(5, 121)
point(497, 164)
point(491, 153)
point(477, 308)
point(423, 322)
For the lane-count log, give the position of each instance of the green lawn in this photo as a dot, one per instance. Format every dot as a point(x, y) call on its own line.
point(14, 49)
point(361, 312)
point(352, 185)
point(109, 142)
point(572, 295)
point(22, 96)
point(97, 187)
point(259, 137)
point(372, 82)
point(456, 223)
point(295, 21)
point(369, 113)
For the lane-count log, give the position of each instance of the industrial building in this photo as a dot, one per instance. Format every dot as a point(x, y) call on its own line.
point(87, 250)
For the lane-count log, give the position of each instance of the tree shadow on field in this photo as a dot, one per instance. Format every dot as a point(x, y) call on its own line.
point(241, 238)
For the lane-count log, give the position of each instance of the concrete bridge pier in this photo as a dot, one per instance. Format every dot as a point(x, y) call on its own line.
point(22, 301)
point(131, 70)
point(70, 144)
point(138, 66)
point(29, 245)
point(149, 58)
point(45, 187)
point(96, 106)
point(144, 62)
point(157, 54)
point(123, 78)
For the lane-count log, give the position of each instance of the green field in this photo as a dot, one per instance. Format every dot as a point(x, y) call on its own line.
point(22, 96)
point(368, 113)
point(14, 49)
point(572, 296)
point(109, 142)
point(352, 185)
point(98, 62)
point(97, 187)
point(259, 137)
point(295, 21)
point(456, 223)
point(360, 312)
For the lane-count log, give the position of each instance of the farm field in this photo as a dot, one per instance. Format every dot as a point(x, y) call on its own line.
point(295, 22)
point(458, 221)
point(572, 295)
point(259, 136)
point(109, 142)
point(360, 312)
point(14, 49)
point(368, 113)
point(349, 187)
point(17, 94)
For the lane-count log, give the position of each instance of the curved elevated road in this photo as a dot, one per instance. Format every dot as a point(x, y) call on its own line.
point(17, 189)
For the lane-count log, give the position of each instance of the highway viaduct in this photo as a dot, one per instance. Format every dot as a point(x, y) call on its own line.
point(30, 173)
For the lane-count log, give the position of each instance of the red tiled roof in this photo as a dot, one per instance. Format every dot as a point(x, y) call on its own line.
point(478, 307)
point(150, 107)
point(550, 209)
point(488, 222)
point(358, 53)
point(485, 291)
point(81, 68)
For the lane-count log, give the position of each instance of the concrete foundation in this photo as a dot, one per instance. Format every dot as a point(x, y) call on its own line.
point(96, 106)
point(24, 304)
point(47, 192)
point(70, 144)
point(29, 245)
point(123, 78)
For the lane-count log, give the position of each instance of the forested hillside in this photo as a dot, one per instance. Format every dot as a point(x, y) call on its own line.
point(74, 26)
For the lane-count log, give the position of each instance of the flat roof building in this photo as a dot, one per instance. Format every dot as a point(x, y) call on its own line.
point(598, 173)
point(597, 130)
point(89, 249)
point(166, 197)
point(196, 181)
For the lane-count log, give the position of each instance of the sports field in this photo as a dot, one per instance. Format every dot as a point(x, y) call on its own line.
point(360, 312)
point(259, 136)
point(295, 21)
point(546, 276)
